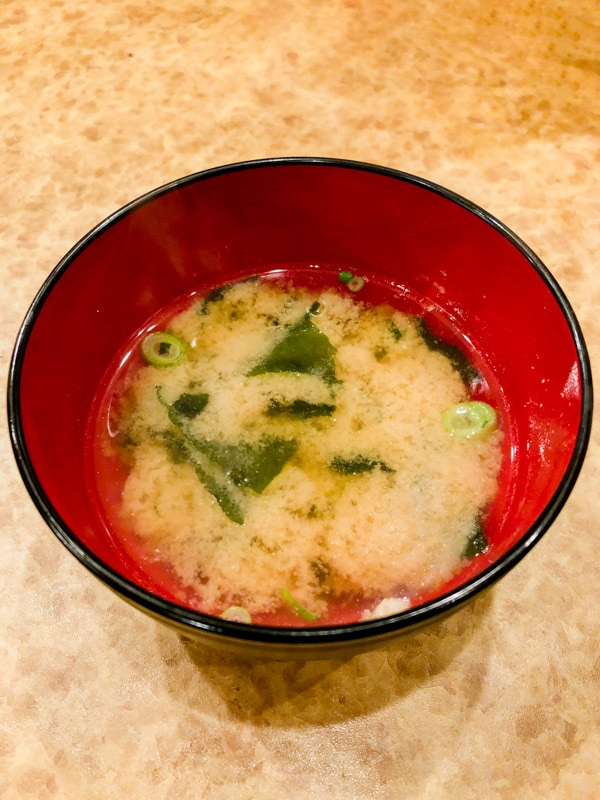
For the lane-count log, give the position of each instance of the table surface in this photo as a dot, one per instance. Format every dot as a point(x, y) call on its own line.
point(102, 101)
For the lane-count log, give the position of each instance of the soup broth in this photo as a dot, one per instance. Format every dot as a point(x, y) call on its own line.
point(282, 452)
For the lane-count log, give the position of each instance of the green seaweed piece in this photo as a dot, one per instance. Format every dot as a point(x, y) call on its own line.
point(224, 469)
point(357, 465)
point(250, 465)
point(225, 497)
point(216, 296)
point(454, 354)
point(181, 450)
point(297, 607)
point(321, 570)
point(303, 349)
point(395, 331)
point(300, 409)
point(175, 446)
point(477, 542)
point(187, 406)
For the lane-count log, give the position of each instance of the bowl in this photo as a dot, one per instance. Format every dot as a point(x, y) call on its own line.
point(466, 274)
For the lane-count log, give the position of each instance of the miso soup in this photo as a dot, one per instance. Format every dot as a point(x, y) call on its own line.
point(282, 452)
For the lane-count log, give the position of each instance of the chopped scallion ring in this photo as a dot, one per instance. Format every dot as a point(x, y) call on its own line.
point(163, 349)
point(356, 283)
point(470, 420)
point(297, 607)
point(237, 614)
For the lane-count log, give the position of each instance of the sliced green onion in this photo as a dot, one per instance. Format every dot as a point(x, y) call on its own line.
point(163, 349)
point(470, 420)
point(356, 283)
point(297, 607)
point(237, 614)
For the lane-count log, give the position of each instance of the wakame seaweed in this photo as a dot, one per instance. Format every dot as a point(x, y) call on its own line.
point(476, 543)
point(213, 297)
point(225, 497)
point(304, 348)
point(250, 465)
point(231, 467)
point(453, 353)
point(299, 409)
point(175, 446)
point(215, 480)
point(395, 331)
point(187, 406)
point(357, 465)
point(218, 294)
point(321, 570)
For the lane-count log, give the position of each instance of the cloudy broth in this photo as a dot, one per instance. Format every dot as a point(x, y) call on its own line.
point(294, 462)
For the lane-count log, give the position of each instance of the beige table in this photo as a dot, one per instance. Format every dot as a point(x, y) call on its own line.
point(104, 100)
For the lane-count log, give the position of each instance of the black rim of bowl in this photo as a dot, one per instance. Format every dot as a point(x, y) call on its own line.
point(195, 621)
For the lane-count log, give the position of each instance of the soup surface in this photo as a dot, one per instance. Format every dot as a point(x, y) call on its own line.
point(283, 451)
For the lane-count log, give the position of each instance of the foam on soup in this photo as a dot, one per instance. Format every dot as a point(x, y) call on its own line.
point(281, 453)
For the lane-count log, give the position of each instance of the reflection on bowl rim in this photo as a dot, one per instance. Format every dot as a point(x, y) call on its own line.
point(189, 621)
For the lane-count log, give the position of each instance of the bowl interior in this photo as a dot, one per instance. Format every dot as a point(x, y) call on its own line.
point(474, 280)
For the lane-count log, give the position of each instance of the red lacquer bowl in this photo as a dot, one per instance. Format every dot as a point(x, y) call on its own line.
point(420, 246)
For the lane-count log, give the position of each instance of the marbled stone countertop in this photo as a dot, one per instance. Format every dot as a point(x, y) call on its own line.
point(104, 100)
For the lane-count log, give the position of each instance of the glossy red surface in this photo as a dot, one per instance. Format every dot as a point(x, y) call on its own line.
point(411, 240)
